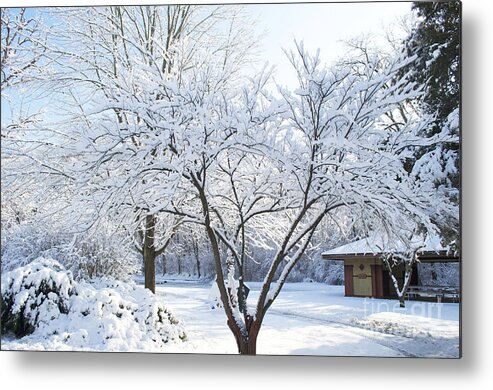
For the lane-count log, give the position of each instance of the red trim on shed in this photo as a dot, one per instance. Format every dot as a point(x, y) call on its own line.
point(377, 280)
point(348, 280)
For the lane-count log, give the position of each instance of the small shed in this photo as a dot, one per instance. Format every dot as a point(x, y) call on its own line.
point(365, 274)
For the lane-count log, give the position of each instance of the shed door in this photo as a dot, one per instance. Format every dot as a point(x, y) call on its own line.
point(362, 280)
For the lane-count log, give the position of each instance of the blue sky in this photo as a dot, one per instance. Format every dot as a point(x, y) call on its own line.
point(321, 26)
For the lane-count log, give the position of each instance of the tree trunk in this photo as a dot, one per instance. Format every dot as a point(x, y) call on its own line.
point(197, 258)
point(150, 254)
point(163, 261)
point(198, 268)
point(407, 281)
point(247, 344)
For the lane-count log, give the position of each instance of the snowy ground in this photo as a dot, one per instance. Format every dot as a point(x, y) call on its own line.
point(308, 319)
point(316, 319)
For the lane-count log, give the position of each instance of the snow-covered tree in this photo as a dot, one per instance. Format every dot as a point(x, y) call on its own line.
point(435, 40)
point(21, 57)
point(266, 173)
point(23, 43)
point(118, 72)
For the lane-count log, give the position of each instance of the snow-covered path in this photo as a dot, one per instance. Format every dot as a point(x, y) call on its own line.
point(316, 319)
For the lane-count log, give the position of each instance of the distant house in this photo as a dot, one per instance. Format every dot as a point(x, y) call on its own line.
point(365, 274)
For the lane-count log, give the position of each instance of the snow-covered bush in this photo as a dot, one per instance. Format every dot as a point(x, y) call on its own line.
point(214, 297)
point(42, 299)
point(34, 295)
point(121, 316)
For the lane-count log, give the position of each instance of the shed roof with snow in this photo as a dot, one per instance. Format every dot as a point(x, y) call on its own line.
point(429, 249)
